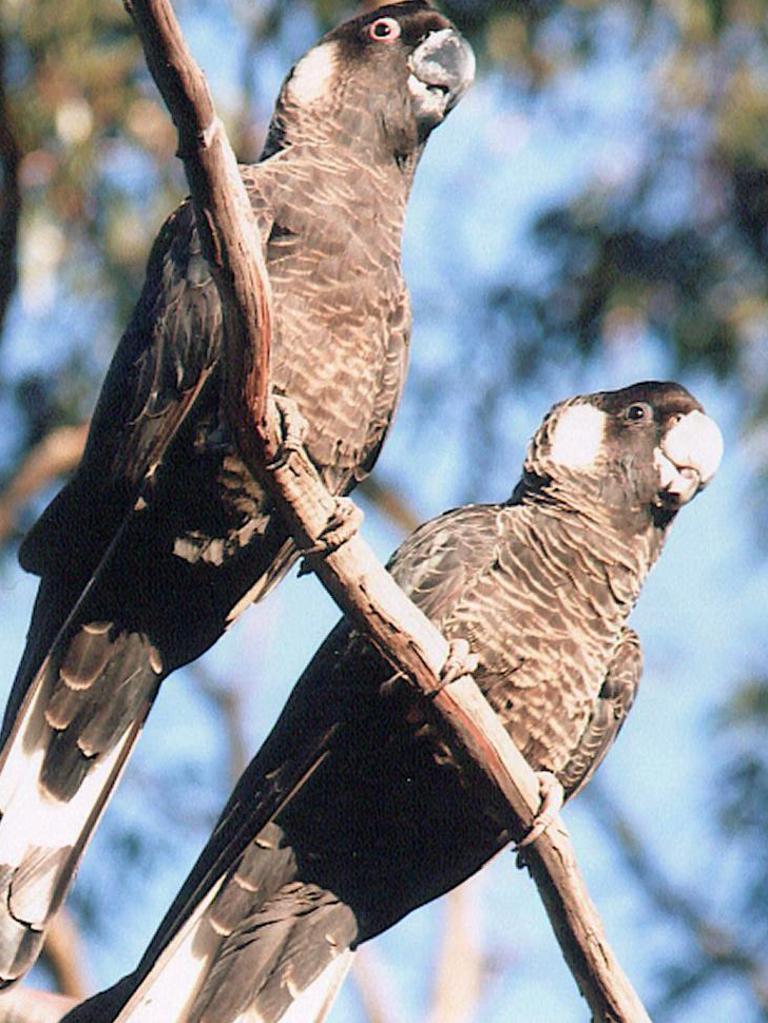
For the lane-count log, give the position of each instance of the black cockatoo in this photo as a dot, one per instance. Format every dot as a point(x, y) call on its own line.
point(162, 536)
point(382, 818)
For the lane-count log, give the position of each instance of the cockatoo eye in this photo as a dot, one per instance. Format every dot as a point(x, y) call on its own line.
point(384, 30)
point(637, 412)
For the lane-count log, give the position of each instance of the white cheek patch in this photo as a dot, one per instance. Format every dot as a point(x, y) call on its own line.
point(313, 75)
point(578, 437)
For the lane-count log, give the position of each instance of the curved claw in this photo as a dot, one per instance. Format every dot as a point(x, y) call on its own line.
point(292, 425)
point(459, 661)
point(552, 799)
point(342, 525)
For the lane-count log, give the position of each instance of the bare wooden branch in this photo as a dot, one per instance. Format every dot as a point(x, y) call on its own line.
point(63, 954)
point(352, 574)
point(228, 231)
point(461, 965)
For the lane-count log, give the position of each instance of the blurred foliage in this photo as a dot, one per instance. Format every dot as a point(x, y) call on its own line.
point(677, 248)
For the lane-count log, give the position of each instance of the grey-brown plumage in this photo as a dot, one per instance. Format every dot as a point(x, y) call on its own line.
point(354, 811)
point(162, 537)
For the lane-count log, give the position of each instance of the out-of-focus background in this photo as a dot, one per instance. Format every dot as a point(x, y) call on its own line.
point(595, 212)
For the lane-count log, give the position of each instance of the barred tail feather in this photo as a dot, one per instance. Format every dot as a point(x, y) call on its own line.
point(56, 778)
point(316, 1001)
point(244, 958)
point(169, 989)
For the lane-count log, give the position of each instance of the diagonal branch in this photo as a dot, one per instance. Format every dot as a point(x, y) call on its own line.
point(228, 231)
point(461, 967)
point(352, 574)
point(63, 955)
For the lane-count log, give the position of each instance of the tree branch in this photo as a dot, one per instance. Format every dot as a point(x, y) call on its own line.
point(461, 966)
point(228, 231)
point(352, 574)
point(63, 956)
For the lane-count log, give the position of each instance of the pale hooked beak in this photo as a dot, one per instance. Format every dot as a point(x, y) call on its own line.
point(688, 457)
point(442, 69)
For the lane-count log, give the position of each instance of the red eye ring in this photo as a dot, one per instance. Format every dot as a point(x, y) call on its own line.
point(384, 30)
